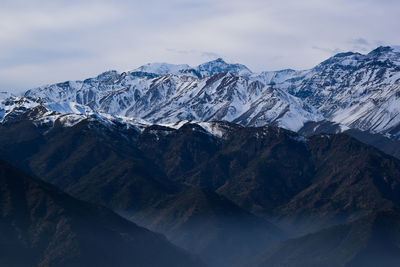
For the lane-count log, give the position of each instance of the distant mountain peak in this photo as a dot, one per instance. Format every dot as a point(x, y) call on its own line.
point(218, 60)
point(219, 66)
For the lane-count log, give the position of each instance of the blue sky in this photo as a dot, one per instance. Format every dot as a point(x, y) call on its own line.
point(43, 41)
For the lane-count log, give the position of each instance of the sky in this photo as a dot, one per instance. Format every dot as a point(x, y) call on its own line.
point(47, 41)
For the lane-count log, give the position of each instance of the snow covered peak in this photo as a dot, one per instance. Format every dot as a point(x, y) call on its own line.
point(356, 90)
point(387, 54)
point(343, 60)
point(380, 50)
point(163, 68)
point(390, 55)
point(220, 66)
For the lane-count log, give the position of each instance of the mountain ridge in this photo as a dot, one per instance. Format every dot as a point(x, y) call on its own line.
point(355, 90)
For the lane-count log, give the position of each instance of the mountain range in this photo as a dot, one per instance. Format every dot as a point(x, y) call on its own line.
point(234, 168)
point(357, 91)
point(349, 92)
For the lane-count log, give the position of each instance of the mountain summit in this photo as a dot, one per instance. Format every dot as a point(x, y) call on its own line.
point(220, 66)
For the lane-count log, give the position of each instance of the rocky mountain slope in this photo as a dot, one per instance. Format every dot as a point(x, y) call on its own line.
point(42, 226)
point(211, 226)
point(103, 164)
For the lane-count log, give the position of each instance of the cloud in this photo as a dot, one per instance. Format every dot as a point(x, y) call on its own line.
point(361, 41)
point(327, 50)
point(47, 41)
point(17, 26)
point(207, 55)
point(210, 55)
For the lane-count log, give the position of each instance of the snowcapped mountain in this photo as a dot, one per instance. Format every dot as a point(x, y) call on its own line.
point(354, 90)
point(359, 91)
point(219, 91)
point(47, 116)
